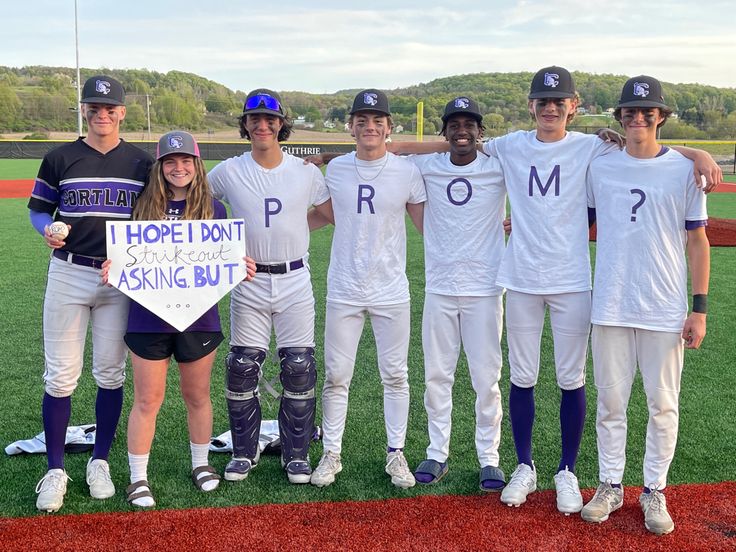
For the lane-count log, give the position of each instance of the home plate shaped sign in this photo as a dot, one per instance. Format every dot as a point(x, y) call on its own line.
point(176, 269)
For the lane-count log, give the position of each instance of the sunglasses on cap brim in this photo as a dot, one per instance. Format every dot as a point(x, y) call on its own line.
point(269, 102)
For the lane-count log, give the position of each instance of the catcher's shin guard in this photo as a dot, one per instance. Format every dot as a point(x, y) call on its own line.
point(243, 406)
point(298, 403)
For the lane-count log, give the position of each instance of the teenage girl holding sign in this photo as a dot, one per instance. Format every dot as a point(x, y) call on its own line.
point(177, 189)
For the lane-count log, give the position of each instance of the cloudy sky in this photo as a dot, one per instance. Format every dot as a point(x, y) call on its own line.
point(331, 45)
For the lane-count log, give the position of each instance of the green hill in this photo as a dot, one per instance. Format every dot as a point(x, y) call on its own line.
point(40, 98)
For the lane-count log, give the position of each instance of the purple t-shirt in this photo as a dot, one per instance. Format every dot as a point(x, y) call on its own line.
point(141, 320)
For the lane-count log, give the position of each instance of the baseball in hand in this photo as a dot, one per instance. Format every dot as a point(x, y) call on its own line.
point(58, 230)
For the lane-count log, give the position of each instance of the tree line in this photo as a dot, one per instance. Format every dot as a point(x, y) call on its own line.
point(40, 99)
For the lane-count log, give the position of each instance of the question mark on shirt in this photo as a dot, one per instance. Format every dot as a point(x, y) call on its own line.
point(642, 199)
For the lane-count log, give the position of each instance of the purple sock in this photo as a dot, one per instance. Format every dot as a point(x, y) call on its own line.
point(108, 406)
point(392, 449)
point(521, 410)
point(56, 412)
point(572, 421)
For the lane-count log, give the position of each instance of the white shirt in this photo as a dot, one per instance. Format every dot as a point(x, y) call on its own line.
point(641, 271)
point(273, 203)
point(547, 251)
point(463, 224)
point(368, 257)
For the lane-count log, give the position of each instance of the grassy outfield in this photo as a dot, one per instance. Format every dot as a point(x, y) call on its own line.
point(705, 451)
point(12, 169)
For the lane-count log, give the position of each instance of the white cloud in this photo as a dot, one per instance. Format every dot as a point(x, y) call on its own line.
point(336, 45)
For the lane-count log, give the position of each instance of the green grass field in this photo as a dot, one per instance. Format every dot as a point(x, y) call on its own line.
point(706, 447)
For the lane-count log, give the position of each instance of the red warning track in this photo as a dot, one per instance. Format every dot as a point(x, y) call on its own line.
point(15, 188)
point(704, 515)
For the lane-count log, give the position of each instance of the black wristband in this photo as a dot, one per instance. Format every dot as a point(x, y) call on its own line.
point(700, 303)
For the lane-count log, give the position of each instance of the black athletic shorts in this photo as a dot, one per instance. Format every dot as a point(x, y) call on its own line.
point(184, 347)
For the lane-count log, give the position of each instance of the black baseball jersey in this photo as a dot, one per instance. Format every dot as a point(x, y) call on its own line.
point(83, 187)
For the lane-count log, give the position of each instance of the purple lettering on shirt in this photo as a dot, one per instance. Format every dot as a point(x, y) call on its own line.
point(468, 191)
point(272, 206)
point(366, 197)
point(543, 189)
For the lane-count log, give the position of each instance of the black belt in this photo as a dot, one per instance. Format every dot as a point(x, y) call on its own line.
point(81, 260)
point(280, 268)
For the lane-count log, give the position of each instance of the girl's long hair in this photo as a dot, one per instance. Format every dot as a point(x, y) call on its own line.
point(151, 204)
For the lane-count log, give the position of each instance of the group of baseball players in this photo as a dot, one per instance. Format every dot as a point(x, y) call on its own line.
point(648, 201)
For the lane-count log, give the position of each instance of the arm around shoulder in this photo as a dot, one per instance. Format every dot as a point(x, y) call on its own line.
point(320, 215)
point(708, 175)
point(417, 148)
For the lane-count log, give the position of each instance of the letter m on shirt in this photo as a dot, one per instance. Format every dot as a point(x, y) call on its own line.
point(543, 189)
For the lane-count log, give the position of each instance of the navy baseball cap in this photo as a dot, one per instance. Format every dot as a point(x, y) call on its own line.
point(177, 141)
point(642, 91)
point(263, 100)
point(552, 82)
point(102, 89)
point(464, 106)
point(371, 100)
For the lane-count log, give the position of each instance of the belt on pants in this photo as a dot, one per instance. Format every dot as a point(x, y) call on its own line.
point(280, 268)
point(81, 260)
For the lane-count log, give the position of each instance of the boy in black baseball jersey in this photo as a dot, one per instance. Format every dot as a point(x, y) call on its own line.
point(84, 184)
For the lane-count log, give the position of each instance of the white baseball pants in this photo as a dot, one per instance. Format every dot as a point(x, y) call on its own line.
point(283, 303)
point(75, 296)
point(569, 315)
point(343, 328)
point(616, 353)
point(475, 323)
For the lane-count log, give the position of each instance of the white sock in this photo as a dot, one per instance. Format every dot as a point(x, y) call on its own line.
point(200, 454)
point(138, 467)
point(200, 457)
point(139, 472)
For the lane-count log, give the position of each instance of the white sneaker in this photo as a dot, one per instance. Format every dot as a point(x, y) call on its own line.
point(607, 499)
point(656, 517)
point(569, 499)
point(99, 480)
point(398, 469)
point(523, 481)
point(51, 490)
point(329, 466)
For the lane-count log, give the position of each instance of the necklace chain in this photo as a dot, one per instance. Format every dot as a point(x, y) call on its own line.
point(355, 163)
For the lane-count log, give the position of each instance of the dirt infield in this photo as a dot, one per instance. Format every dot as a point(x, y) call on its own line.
point(721, 232)
point(705, 519)
point(15, 188)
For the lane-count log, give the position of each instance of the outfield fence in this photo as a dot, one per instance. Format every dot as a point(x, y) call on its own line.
point(36, 149)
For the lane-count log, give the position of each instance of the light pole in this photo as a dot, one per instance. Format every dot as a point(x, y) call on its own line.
point(79, 84)
point(148, 115)
point(148, 108)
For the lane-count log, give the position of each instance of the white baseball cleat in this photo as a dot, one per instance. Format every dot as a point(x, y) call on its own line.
point(523, 481)
point(329, 466)
point(607, 499)
point(99, 480)
point(657, 519)
point(569, 499)
point(398, 469)
point(51, 490)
